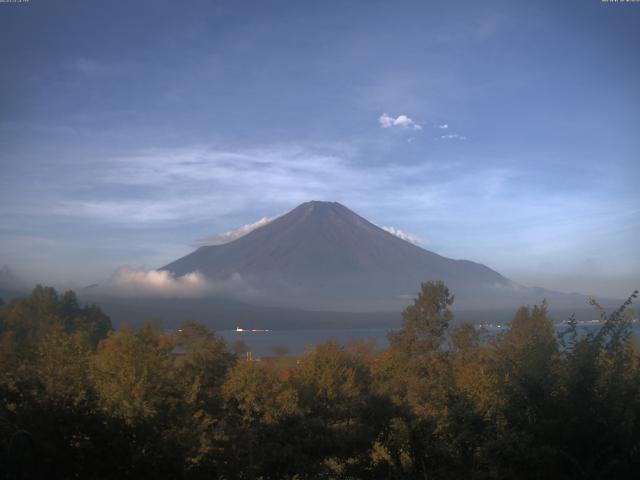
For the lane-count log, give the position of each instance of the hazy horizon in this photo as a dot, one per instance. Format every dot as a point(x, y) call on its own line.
point(505, 133)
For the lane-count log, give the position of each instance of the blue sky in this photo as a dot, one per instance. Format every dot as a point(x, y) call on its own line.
point(129, 131)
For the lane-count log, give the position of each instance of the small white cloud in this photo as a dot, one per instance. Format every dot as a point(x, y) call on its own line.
point(403, 121)
point(227, 237)
point(453, 136)
point(386, 121)
point(444, 126)
point(407, 237)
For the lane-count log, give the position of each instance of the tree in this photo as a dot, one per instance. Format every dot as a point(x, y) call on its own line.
point(131, 374)
point(340, 408)
point(600, 434)
point(201, 362)
point(425, 322)
point(134, 378)
point(435, 428)
point(263, 423)
point(62, 368)
point(30, 318)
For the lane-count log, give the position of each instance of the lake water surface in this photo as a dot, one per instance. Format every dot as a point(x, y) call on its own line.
point(261, 343)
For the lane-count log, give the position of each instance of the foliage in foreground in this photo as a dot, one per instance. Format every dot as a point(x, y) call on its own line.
point(79, 400)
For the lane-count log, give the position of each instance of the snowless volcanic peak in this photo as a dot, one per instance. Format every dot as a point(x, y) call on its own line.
point(323, 255)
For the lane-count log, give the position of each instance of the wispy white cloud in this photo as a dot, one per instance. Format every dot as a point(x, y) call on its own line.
point(227, 237)
point(171, 187)
point(444, 126)
point(202, 182)
point(138, 282)
point(387, 121)
point(407, 237)
point(453, 136)
point(122, 210)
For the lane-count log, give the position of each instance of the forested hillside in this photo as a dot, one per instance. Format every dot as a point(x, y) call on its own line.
point(80, 400)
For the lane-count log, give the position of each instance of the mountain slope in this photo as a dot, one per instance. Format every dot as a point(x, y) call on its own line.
point(323, 255)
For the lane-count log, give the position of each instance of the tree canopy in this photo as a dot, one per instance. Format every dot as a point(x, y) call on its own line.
point(80, 400)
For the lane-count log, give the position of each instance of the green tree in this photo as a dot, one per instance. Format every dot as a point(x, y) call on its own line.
point(340, 407)
point(131, 373)
point(201, 361)
point(30, 318)
point(435, 427)
point(527, 369)
point(600, 432)
point(62, 368)
point(425, 322)
point(134, 378)
point(263, 420)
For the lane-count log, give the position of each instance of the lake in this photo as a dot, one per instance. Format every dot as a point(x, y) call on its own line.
point(261, 343)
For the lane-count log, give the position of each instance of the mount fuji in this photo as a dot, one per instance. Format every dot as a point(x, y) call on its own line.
point(323, 256)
